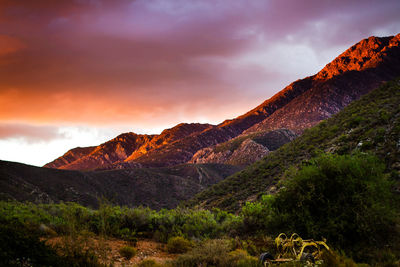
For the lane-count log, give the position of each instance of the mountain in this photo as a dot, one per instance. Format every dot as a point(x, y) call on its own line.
point(154, 187)
point(125, 147)
point(71, 156)
point(358, 70)
point(244, 149)
point(370, 124)
point(297, 107)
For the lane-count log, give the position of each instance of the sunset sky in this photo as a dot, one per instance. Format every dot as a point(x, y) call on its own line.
point(79, 72)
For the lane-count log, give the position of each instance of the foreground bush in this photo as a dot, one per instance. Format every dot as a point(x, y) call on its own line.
point(210, 253)
point(178, 245)
point(218, 253)
point(346, 199)
point(149, 263)
point(20, 246)
point(127, 252)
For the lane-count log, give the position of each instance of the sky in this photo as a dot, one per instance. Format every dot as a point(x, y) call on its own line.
point(80, 72)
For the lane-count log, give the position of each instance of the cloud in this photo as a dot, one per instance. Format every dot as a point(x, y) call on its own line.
point(152, 62)
point(29, 133)
point(9, 45)
point(31, 144)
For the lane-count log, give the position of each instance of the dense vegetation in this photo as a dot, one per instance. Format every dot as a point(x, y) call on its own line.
point(370, 124)
point(346, 199)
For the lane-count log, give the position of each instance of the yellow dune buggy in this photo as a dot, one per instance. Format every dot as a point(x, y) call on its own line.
point(294, 249)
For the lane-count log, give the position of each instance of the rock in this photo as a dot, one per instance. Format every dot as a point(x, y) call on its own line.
point(248, 152)
point(250, 149)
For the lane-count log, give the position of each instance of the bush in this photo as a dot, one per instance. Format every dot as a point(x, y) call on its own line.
point(127, 252)
point(148, 263)
point(128, 236)
point(178, 244)
point(19, 246)
point(218, 253)
point(209, 253)
point(248, 261)
point(334, 259)
point(241, 258)
point(346, 199)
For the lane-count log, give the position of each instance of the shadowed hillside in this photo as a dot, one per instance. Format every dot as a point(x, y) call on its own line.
point(156, 188)
point(371, 124)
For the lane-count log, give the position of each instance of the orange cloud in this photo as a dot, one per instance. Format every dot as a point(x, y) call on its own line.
point(106, 108)
point(9, 45)
point(146, 63)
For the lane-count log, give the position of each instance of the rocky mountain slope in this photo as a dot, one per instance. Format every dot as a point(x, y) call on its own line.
point(299, 106)
point(125, 147)
point(71, 156)
point(153, 187)
point(371, 124)
point(362, 67)
point(244, 149)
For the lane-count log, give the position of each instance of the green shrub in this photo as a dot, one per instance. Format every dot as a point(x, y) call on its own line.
point(213, 252)
point(333, 259)
point(148, 263)
point(128, 235)
point(127, 252)
point(346, 199)
point(178, 244)
point(240, 258)
point(248, 261)
point(19, 246)
point(218, 253)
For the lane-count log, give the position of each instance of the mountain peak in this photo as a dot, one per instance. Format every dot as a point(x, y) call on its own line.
point(355, 72)
point(367, 53)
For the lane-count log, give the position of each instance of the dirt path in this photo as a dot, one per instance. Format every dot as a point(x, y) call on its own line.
point(146, 249)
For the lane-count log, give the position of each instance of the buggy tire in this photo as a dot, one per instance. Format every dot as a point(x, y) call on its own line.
point(265, 256)
point(307, 257)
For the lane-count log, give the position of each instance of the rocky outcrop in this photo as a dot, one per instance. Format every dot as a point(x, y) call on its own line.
point(248, 152)
point(71, 156)
point(244, 149)
point(208, 154)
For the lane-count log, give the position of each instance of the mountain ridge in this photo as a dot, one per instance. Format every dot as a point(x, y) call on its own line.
point(361, 68)
point(124, 146)
point(300, 105)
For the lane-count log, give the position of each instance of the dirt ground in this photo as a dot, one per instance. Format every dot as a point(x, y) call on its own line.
point(146, 249)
